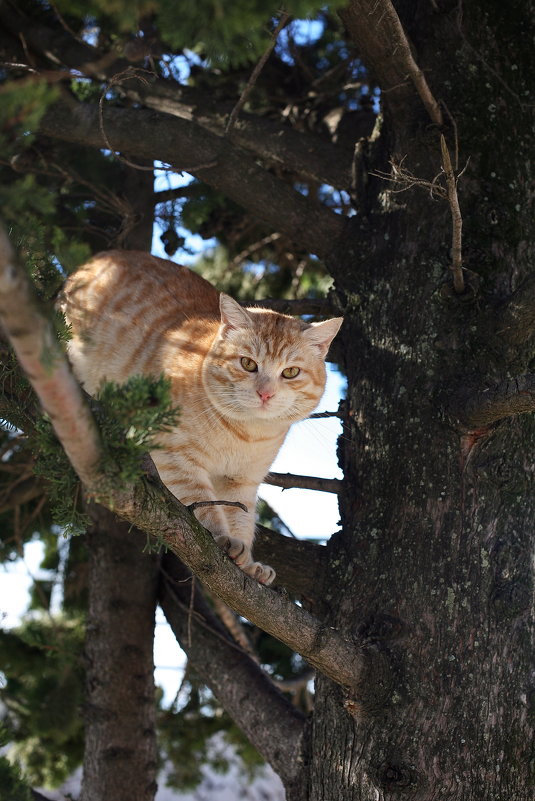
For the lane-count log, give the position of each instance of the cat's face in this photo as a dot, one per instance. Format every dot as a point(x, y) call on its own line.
point(266, 366)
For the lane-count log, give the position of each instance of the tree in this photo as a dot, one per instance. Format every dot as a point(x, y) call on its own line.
point(418, 614)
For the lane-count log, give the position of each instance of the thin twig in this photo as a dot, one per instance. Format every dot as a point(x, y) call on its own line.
point(197, 615)
point(65, 26)
point(255, 73)
point(291, 481)
point(200, 504)
point(456, 219)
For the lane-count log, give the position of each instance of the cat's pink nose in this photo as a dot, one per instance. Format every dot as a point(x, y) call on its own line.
point(264, 394)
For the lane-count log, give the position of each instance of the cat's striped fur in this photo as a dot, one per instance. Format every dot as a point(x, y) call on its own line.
point(134, 313)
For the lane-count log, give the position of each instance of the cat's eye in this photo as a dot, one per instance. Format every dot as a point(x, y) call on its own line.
point(290, 372)
point(248, 364)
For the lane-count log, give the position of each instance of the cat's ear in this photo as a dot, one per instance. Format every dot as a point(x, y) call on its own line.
point(322, 334)
point(232, 314)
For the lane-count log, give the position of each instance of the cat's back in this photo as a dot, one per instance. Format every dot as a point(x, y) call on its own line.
point(125, 308)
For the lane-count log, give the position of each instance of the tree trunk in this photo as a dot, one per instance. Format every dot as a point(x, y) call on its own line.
point(435, 555)
point(120, 756)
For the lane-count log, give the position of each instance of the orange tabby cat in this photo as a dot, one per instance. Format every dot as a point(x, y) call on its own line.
point(240, 376)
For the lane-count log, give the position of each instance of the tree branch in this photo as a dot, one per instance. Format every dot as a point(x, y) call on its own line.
point(378, 33)
point(309, 155)
point(320, 307)
point(213, 159)
point(151, 507)
point(510, 397)
point(44, 363)
point(272, 724)
point(456, 219)
point(516, 323)
point(299, 564)
point(291, 481)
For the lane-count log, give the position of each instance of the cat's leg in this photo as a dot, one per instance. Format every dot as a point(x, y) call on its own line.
point(234, 533)
point(191, 484)
point(241, 524)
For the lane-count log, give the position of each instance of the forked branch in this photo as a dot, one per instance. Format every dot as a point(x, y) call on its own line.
point(152, 508)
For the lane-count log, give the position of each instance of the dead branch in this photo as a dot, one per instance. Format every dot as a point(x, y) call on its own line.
point(505, 399)
point(405, 179)
point(291, 481)
point(151, 507)
point(378, 33)
point(456, 219)
point(255, 73)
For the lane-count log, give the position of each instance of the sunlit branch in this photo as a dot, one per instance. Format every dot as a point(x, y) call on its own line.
point(44, 363)
point(291, 481)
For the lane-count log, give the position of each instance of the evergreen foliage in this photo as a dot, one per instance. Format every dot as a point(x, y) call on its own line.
point(43, 694)
point(12, 786)
point(129, 416)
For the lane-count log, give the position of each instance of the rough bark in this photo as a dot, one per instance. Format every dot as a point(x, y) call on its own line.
point(434, 564)
point(435, 555)
point(120, 755)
